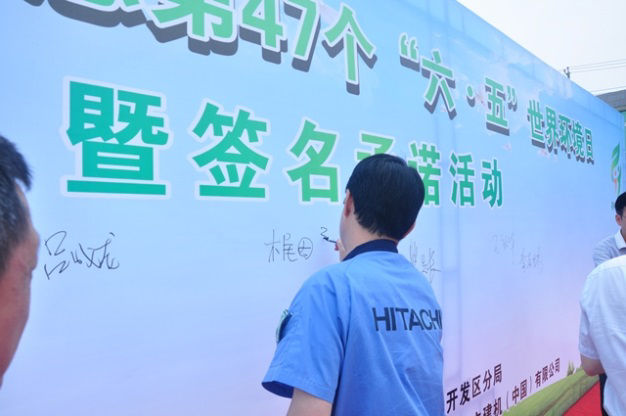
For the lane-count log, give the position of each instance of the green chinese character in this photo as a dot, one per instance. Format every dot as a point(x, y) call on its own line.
point(578, 142)
point(535, 117)
point(462, 183)
point(266, 23)
point(565, 136)
point(381, 144)
point(441, 78)
point(495, 104)
point(314, 169)
point(492, 183)
point(230, 159)
point(110, 5)
point(589, 143)
point(551, 134)
point(125, 167)
point(347, 29)
point(219, 26)
point(429, 169)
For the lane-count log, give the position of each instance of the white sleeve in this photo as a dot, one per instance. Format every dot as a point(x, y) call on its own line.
point(600, 254)
point(585, 343)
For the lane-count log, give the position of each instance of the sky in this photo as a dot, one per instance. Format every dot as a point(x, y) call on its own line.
point(562, 33)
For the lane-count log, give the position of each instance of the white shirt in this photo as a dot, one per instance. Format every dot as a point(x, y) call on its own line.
point(611, 246)
point(603, 328)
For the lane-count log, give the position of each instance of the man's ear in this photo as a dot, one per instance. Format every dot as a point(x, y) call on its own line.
point(409, 230)
point(618, 219)
point(348, 204)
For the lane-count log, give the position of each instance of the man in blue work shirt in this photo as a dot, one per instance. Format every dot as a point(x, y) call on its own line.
point(363, 337)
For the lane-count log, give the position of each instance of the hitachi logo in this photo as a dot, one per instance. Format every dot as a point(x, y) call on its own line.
point(406, 318)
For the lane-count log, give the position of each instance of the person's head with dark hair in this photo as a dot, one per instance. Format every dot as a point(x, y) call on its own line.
point(620, 203)
point(383, 198)
point(18, 250)
point(13, 213)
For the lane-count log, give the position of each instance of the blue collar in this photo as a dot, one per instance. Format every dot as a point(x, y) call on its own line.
point(374, 245)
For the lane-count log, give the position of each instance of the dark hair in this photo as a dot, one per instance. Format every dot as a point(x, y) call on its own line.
point(620, 203)
point(387, 195)
point(13, 214)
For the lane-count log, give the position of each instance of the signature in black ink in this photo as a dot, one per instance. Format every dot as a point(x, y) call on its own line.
point(428, 263)
point(531, 259)
point(98, 257)
point(503, 242)
point(427, 260)
point(290, 251)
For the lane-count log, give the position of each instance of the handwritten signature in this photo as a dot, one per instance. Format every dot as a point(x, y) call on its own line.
point(504, 242)
point(62, 258)
point(531, 259)
point(290, 251)
point(428, 263)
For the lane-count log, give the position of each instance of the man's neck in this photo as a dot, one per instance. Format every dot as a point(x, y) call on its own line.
point(364, 236)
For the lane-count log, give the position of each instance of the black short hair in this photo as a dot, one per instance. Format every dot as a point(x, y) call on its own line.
point(620, 203)
point(13, 214)
point(387, 195)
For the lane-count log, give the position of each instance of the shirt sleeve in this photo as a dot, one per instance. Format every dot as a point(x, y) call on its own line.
point(600, 254)
point(588, 313)
point(310, 353)
point(585, 343)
